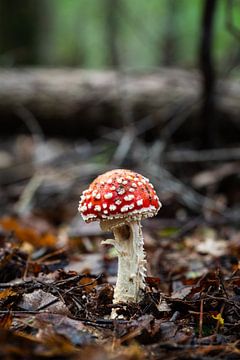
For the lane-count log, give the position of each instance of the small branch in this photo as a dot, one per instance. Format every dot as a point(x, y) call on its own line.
point(24, 203)
point(182, 156)
point(201, 318)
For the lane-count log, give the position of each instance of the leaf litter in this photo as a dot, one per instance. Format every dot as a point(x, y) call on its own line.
point(191, 307)
point(56, 286)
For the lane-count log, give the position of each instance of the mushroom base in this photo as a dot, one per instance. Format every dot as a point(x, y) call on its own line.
point(128, 243)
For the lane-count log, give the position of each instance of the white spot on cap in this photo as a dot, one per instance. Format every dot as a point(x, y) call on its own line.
point(124, 208)
point(90, 205)
point(105, 211)
point(140, 183)
point(97, 196)
point(104, 205)
point(120, 180)
point(131, 189)
point(97, 208)
point(108, 195)
point(112, 207)
point(125, 182)
point(88, 197)
point(94, 193)
point(113, 188)
point(83, 208)
point(140, 202)
point(89, 216)
point(128, 197)
point(118, 202)
point(109, 181)
point(131, 206)
point(136, 179)
point(121, 191)
point(134, 185)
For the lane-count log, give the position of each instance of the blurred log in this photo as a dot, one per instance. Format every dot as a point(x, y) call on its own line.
point(75, 101)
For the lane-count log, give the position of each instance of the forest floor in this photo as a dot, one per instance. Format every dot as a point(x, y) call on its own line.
point(57, 280)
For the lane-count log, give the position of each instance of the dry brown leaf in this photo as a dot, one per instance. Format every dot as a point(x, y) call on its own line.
point(88, 283)
point(39, 299)
point(73, 330)
point(6, 321)
point(27, 234)
point(4, 294)
point(181, 293)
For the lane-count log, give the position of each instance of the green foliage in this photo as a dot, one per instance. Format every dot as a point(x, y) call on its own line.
point(80, 32)
point(77, 33)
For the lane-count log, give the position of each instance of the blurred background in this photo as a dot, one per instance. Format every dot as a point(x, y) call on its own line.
point(87, 86)
point(100, 34)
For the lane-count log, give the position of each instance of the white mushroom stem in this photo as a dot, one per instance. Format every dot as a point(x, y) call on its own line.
point(128, 243)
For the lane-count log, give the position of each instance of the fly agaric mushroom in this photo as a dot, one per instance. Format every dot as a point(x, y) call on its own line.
point(119, 199)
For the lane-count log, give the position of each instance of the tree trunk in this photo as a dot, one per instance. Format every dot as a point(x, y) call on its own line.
point(112, 33)
point(170, 43)
point(20, 28)
point(208, 113)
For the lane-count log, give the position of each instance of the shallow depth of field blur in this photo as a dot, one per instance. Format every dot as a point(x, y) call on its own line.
point(87, 86)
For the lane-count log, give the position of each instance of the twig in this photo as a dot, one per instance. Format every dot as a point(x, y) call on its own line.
point(177, 119)
point(201, 318)
point(30, 121)
point(83, 285)
point(233, 303)
point(56, 284)
point(124, 145)
point(203, 155)
point(185, 229)
point(215, 175)
point(52, 254)
point(24, 203)
point(77, 278)
point(185, 193)
point(23, 312)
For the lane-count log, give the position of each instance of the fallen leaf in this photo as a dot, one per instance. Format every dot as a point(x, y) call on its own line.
point(181, 293)
point(40, 299)
point(153, 281)
point(6, 321)
point(26, 234)
point(73, 330)
point(162, 306)
point(6, 293)
point(212, 246)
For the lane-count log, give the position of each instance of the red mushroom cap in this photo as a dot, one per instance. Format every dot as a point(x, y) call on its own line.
point(119, 194)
